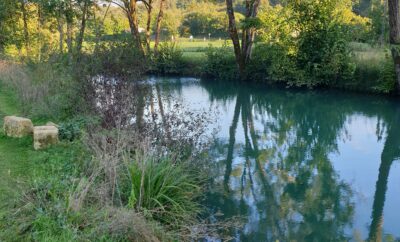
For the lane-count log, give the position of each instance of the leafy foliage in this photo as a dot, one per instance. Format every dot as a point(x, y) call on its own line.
point(203, 19)
point(220, 63)
point(168, 59)
point(273, 63)
point(387, 77)
point(71, 130)
point(303, 44)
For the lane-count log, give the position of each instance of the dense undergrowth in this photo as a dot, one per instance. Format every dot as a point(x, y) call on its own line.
point(104, 181)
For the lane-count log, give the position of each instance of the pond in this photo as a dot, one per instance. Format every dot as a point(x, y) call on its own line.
point(300, 165)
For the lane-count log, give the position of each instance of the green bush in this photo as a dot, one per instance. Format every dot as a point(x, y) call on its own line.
point(220, 63)
point(304, 44)
point(71, 130)
point(168, 59)
point(116, 59)
point(387, 77)
point(272, 63)
point(324, 56)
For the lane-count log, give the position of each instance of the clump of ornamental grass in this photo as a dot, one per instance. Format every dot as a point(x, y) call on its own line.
point(169, 192)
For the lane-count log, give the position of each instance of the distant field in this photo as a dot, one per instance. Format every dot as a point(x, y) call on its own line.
point(194, 51)
point(365, 52)
point(198, 45)
point(194, 56)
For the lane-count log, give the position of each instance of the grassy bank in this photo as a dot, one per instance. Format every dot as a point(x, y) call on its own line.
point(14, 153)
point(100, 183)
point(23, 169)
point(36, 189)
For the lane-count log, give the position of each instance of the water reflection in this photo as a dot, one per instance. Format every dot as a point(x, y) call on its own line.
point(274, 166)
point(390, 153)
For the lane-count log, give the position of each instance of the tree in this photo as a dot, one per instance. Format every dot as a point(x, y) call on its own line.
point(394, 38)
point(149, 7)
point(158, 25)
point(204, 19)
point(8, 9)
point(55, 9)
point(85, 12)
point(25, 21)
point(379, 21)
point(242, 50)
point(69, 16)
point(131, 10)
point(390, 153)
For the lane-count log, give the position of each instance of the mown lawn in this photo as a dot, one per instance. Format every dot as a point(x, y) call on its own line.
point(15, 154)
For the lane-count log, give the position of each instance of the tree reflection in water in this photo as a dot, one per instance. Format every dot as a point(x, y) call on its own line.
point(390, 153)
point(278, 174)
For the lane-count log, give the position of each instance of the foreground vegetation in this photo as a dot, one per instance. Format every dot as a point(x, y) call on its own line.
point(79, 63)
point(103, 181)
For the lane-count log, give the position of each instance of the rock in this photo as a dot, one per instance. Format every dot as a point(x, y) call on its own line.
point(44, 136)
point(17, 126)
point(51, 124)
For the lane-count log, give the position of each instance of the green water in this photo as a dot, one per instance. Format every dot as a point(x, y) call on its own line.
point(301, 165)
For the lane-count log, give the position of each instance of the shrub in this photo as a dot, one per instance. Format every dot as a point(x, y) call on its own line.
point(387, 77)
point(271, 62)
point(72, 129)
point(220, 63)
point(304, 43)
point(116, 59)
point(169, 59)
point(324, 56)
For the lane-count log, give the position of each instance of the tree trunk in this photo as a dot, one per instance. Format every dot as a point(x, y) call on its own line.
point(60, 28)
point(133, 24)
point(390, 153)
point(40, 23)
point(162, 113)
point(383, 23)
point(82, 28)
point(25, 20)
point(233, 33)
point(61, 34)
point(394, 23)
point(249, 33)
point(148, 25)
point(69, 20)
point(243, 51)
point(158, 25)
point(69, 37)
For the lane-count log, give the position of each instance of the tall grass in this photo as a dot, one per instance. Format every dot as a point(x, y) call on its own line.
point(167, 191)
point(374, 69)
point(44, 90)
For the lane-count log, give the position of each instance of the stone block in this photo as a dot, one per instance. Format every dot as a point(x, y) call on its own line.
point(44, 136)
point(17, 127)
point(51, 124)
